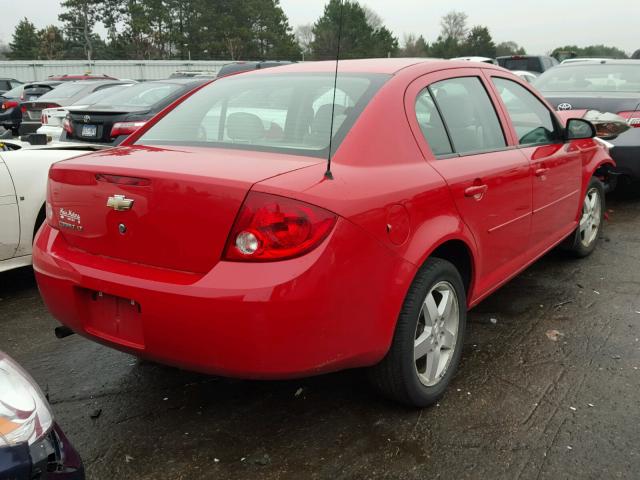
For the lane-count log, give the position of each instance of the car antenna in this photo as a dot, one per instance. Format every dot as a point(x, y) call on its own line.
point(328, 175)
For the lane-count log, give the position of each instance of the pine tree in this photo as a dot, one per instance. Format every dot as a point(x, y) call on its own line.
point(25, 44)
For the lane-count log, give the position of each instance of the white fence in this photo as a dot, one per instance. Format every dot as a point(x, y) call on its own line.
point(28, 71)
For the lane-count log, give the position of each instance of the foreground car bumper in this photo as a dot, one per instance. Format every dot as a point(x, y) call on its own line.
point(333, 308)
point(51, 458)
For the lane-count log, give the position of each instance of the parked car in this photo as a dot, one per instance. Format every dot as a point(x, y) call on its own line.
point(34, 90)
point(239, 67)
point(528, 63)
point(608, 86)
point(114, 119)
point(10, 112)
point(477, 59)
point(7, 84)
point(76, 77)
point(63, 95)
point(52, 118)
point(32, 445)
point(529, 77)
point(583, 59)
point(23, 184)
point(218, 237)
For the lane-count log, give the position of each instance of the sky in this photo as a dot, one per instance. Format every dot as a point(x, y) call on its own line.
point(539, 26)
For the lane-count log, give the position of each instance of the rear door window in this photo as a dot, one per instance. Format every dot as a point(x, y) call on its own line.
point(533, 122)
point(431, 124)
point(469, 115)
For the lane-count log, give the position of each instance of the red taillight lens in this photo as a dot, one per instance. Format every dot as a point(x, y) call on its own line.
point(125, 128)
point(633, 118)
point(9, 104)
point(23, 108)
point(66, 126)
point(270, 227)
point(43, 119)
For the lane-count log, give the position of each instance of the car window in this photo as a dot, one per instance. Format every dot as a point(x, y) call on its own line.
point(15, 84)
point(531, 119)
point(143, 95)
point(431, 124)
point(591, 77)
point(66, 90)
point(15, 92)
point(5, 85)
point(101, 94)
point(288, 113)
point(468, 114)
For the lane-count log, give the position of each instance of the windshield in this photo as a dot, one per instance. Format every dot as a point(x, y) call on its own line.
point(14, 92)
point(142, 95)
point(66, 90)
point(591, 77)
point(288, 113)
point(101, 94)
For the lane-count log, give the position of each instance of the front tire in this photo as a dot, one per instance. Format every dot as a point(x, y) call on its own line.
point(427, 343)
point(584, 239)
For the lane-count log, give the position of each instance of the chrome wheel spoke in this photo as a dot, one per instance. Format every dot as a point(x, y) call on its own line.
point(433, 365)
point(430, 310)
point(448, 339)
point(446, 304)
point(422, 345)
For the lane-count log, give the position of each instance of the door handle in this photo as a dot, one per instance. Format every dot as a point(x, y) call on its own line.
point(540, 172)
point(476, 191)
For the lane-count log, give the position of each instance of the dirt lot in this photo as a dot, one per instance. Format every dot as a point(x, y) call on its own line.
point(550, 389)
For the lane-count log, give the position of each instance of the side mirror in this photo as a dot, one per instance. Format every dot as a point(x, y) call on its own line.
point(578, 128)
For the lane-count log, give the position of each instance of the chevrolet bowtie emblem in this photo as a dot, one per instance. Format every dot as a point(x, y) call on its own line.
point(119, 203)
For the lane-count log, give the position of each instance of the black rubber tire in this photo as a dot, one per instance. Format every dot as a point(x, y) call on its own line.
point(573, 243)
point(395, 376)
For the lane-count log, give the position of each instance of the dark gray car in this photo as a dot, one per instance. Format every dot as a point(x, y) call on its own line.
point(608, 86)
point(65, 94)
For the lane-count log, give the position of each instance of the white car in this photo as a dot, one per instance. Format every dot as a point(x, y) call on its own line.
point(23, 184)
point(477, 59)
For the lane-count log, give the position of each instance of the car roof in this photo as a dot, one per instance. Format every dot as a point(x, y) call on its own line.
point(600, 62)
point(180, 81)
point(389, 66)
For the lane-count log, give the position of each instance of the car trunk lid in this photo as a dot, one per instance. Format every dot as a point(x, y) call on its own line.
point(183, 201)
point(95, 125)
point(613, 102)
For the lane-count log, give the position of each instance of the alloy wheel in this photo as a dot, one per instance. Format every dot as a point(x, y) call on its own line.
point(591, 217)
point(436, 333)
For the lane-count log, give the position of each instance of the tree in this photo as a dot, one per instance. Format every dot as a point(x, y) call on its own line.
point(359, 39)
point(373, 19)
point(25, 43)
point(509, 48)
point(479, 43)
point(454, 26)
point(569, 51)
point(414, 46)
point(304, 37)
point(51, 43)
point(636, 55)
point(79, 18)
point(446, 47)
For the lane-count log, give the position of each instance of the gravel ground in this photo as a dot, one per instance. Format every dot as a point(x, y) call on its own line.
point(550, 389)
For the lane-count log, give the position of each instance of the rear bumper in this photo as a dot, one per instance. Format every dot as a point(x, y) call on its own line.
point(331, 309)
point(28, 126)
point(53, 132)
point(626, 153)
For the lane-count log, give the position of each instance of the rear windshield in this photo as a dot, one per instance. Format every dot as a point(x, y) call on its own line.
point(101, 94)
point(14, 92)
point(143, 95)
point(66, 90)
point(591, 77)
point(287, 113)
point(531, 64)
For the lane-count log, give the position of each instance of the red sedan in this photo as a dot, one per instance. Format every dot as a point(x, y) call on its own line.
point(215, 240)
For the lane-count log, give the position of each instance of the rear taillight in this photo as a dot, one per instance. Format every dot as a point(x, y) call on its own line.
point(49, 208)
point(23, 109)
point(9, 104)
point(633, 118)
point(125, 128)
point(66, 125)
point(270, 227)
point(43, 119)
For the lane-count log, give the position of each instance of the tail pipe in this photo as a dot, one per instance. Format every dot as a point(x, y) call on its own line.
point(63, 331)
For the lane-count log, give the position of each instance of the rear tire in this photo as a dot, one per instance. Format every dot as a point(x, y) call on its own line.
point(585, 237)
point(427, 343)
